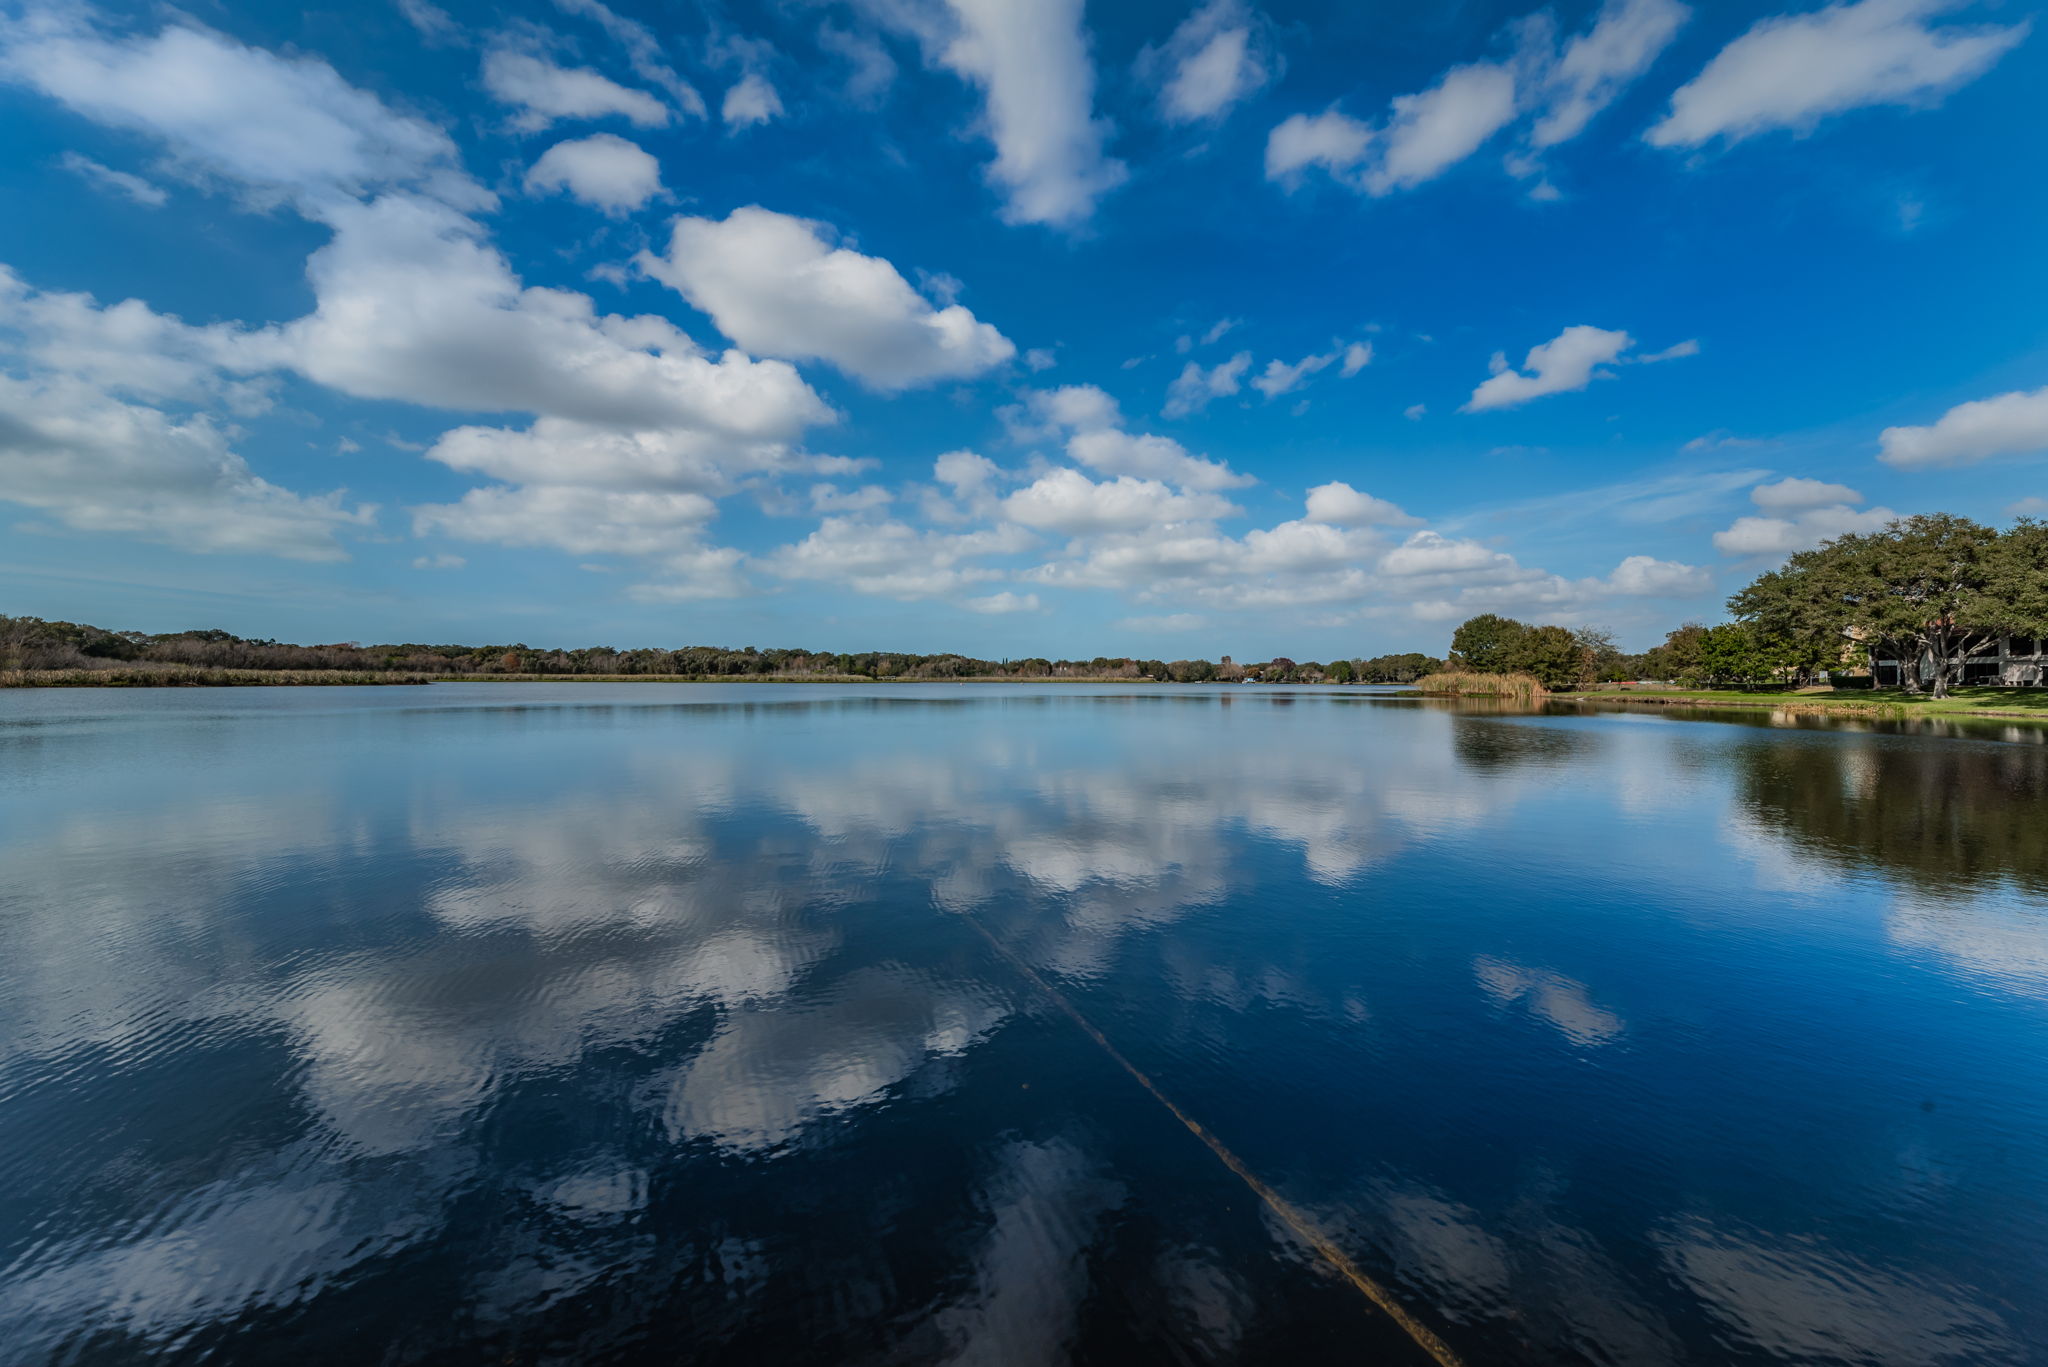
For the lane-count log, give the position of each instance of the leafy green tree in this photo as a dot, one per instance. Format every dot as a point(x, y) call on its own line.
point(1396, 668)
point(1735, 653)
point(1936, 587)
point(1799, 610)
point(1678, 657)
point(1339, 671)
point(1553, 655)
point(1925, 585)
point(1606, 662)
point(2016, 579)
point(1484, 644)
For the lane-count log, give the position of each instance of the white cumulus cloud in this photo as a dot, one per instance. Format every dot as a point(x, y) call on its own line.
point(1423, 134)
point(96, 463)
point(1794, 494)
point(1433, 130)
point(1566, 362)
point(1075, 407)
point(1341, 505)
point(566, 451)
point(1068, 502)
point(1217, 57)
point(893, 559)
point(751, 101)
point(412, 303)
point(1428, 552)
point(1096, 438)
point(965, 472)
point(544, 93)
point(1292, 547)
point(1597, 65)
point(1280, 378)
point(779, 286)
point(1793, 70)
point(1760, 536)
point(604, 171)
point(1148, 456)
point(643, 50)
point(271, 124)
point(1032, 64)
point(830, 498)
point(1332, 140)
point(2004, 425)
point(1643, 576)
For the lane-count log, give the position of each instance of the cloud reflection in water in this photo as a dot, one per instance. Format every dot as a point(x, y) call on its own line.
point(580, 1015)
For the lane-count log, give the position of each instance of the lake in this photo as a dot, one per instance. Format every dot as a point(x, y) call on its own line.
point(771, 1024)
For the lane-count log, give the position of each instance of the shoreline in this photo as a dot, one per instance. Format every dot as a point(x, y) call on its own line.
point(1902, 707)
point(1882, 707)
point(273, 678)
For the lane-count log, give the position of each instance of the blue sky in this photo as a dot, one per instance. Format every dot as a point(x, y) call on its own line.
point(1009, 326)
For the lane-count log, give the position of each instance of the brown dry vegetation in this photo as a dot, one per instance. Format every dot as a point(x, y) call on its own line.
point(1468, 684)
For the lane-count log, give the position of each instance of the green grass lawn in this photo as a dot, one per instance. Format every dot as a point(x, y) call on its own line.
point(2008, 702)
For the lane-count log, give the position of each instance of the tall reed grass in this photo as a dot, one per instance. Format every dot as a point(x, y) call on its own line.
point(1464, 684)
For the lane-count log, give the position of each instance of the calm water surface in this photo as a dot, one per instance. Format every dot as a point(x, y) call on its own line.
point(642, 1023)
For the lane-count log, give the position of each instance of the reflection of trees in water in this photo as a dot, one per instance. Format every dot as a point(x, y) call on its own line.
point(1477, 705)
point(1489, 745)
point(1945, 815)
point(1820, 717)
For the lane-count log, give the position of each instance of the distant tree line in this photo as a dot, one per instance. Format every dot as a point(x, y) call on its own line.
point(30, 643)
point(1396, 669)
point(1935, 586)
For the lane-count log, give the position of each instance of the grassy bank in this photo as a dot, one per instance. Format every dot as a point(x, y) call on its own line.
point(2024, 703)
